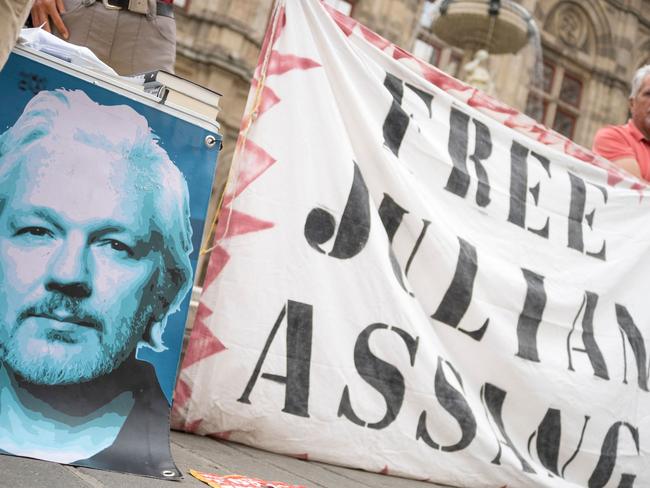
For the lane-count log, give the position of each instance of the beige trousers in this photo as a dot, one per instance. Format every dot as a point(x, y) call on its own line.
point(13, 14)
point(128, 42)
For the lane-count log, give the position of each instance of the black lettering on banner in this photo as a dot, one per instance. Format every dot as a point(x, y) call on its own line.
point(459, 294)
point(519, 187)
point(607, 461)
point(455, 403)
point(459, 179)
point(299, 343)
point(391, 215)
point(577, 217)
point(588, 339)
point(549, 436)
point(631, 331)
point(397, 121)
point(531, 316)
point(493, 398)
point(575, 453)
point(548, 440)
point(382, 376)
point(354, 229)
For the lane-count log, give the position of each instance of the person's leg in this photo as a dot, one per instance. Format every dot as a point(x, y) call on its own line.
point(128, 42)
point(90, 25)
point(12, 18)
point(144, 43)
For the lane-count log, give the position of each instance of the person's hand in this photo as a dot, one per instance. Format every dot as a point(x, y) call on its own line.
point(44, 10)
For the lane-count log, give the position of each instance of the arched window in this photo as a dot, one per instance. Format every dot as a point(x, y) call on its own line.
point(560, 96)
point(569, 45)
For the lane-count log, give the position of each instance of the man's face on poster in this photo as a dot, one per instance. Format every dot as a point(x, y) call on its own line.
point(77, 265)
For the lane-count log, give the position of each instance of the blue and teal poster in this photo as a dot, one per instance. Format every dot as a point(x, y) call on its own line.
point(103, 201)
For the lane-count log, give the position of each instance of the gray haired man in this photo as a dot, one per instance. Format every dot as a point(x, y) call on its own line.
point(628, 145)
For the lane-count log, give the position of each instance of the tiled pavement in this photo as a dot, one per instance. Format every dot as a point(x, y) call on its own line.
point(202, 454)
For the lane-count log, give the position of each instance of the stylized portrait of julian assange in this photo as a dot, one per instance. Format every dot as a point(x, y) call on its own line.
point(95, 240)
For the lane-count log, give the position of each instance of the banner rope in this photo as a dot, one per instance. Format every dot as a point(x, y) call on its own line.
point(243, 135)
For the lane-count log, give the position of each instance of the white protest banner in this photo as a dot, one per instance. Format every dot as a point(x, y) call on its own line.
point(411, 278)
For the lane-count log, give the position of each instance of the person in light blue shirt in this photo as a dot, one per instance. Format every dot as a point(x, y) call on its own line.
point(95, 241)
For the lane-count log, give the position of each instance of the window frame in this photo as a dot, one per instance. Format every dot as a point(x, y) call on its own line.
point(552, 100)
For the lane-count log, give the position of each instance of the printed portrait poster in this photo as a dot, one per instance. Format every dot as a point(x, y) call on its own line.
point(103, 198)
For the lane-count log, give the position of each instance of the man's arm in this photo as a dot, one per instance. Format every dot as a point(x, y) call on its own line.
point(44, 10)
point(628, 164)
point(612, 145)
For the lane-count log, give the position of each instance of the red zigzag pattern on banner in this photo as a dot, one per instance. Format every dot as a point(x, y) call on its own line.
point(203, 343)
point(280, 64)
point(268, 99)
point(253, 161)
point(218, 260)
point(232, 224)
